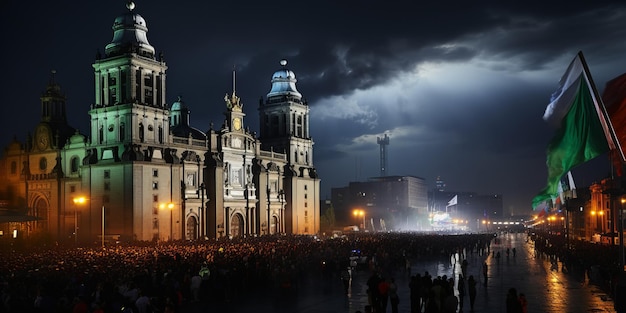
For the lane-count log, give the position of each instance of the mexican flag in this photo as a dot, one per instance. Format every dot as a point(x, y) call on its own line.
point(582, 127)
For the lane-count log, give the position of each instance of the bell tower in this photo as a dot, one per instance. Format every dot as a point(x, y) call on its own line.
point(53, 130)
point(284, 128)
point(130, 106)
point(285, 120)
point(132, 167)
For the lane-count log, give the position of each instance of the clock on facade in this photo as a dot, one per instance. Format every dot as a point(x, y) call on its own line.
point(237, 123)
point(42, 138)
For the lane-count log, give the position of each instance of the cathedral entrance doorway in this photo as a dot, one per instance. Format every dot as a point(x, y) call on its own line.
point(274, 225)
point(236, 226)
point(193, 231)
point(40, 211)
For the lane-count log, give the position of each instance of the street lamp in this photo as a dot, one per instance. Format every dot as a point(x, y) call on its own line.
point(360, 213)
point(601, 213)
point(621, 234)
point(77, 201)
point(169, 206)
point(202, 191)
point(103, 226)
point(281, 197)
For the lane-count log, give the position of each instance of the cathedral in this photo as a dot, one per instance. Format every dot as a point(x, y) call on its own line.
point(144, 173)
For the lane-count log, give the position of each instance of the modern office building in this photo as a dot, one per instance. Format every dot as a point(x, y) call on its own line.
point(383, 203)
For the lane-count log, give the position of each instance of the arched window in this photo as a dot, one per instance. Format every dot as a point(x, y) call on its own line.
point(13, 167)
point(299, 127)
point(141, 134)
point(122, 134)
point(74, 165)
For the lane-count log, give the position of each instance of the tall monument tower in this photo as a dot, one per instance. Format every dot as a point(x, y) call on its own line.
point(383, 143)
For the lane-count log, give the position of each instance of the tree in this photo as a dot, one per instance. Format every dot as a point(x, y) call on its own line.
point(327, 220)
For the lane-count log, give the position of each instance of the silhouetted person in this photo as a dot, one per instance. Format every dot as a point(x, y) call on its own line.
point(523, 302)
point(345, 279)
point(485, 271)
point(461, 288)
point(512, 302)
point(471, 288)
point(415, 285)
point(394, 300)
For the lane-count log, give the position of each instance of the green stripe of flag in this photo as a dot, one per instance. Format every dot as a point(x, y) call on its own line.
point(579, 139)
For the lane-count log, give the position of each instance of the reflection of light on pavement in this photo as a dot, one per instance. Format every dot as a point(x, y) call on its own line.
point(557, 290)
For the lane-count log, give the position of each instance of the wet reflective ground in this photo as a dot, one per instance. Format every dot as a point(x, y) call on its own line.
point(546, 290)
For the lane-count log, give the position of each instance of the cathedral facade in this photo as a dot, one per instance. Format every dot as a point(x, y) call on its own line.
point(144, 173)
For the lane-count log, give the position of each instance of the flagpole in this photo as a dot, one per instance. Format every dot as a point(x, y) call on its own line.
point(607, 126)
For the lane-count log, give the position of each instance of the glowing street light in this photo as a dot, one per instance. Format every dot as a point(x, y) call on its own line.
point(77, 201)
point(169, 206)
point(601, 214)
point(360, 213)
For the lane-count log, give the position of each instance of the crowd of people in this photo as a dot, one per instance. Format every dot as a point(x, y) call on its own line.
point(162, 277)
point(590, 262)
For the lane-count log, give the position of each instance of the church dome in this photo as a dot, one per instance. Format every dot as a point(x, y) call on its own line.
point(284, 82)
point(77, 138)
point(178, 105)
point(180, 121)
point(284, 74)
point(129, 35)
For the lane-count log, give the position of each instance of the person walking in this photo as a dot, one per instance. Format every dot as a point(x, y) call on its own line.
point(394, 300)
point(372, 291)
point(383, 294)
point(485, 271)
point(415, 285)
point(461, 289)
point(512, 302)
point(464, 265)
point(523, 302)
point(471, 287)
point(345, 279)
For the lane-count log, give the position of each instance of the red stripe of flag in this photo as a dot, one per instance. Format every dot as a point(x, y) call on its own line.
point(614, 98)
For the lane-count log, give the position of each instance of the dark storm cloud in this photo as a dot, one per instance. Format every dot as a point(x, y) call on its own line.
point(460, 86)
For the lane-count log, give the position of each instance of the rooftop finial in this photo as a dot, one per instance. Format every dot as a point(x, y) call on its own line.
point(233, 79)
point(283, 62)
point(54, 72)
point(130, 5)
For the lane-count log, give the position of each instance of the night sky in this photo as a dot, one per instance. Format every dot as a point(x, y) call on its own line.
point(460, 87)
